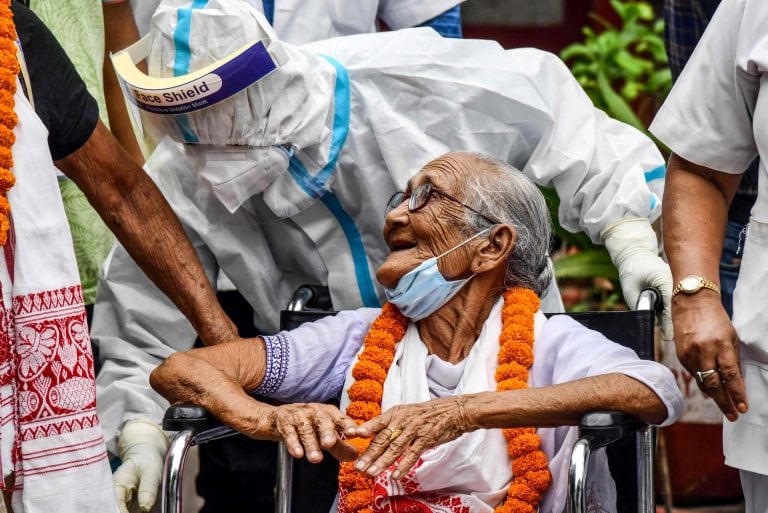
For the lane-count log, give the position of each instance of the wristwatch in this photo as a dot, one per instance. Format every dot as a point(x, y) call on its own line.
point(692, 283)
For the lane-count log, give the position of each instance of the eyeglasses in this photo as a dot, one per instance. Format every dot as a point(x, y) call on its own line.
point(420, 196)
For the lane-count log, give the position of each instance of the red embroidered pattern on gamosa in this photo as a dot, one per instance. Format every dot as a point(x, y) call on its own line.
point(54, 362)
point(406, 496)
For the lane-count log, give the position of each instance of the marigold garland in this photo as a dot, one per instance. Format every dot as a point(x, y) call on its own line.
point(531, 476)
point(9, 69)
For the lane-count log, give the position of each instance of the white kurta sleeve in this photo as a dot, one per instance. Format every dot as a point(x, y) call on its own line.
point(707, 117)
point(309, 363)
point(136, 327)
point(566, 351)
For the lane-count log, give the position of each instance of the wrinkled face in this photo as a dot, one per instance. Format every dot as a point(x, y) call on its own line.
point(432, 230)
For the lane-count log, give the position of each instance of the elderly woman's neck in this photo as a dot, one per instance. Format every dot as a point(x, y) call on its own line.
point(451, 332)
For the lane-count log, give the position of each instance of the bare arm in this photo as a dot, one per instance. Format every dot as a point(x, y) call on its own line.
point(426, 425)
point(138, 214)
point(218, 379)
point(119, 32)
point(696, 201)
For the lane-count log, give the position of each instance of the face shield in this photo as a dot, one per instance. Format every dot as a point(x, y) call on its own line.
point(221, 82)
point(196, 89)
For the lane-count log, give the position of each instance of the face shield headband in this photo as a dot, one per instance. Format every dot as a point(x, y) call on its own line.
point(202, 88)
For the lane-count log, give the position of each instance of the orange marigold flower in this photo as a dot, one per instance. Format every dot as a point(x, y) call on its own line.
point(368, 370)
point(524, 443)
point(522, 354)
point(380, 339)
point(358, 499)
point(354, 480)
point(512, 370)
point(517, 506)
point(523, 492)
point(379, 356)
point(7, 180)
point(363, 410)
point(510, 433)
point(511, 384)
point(535, 460)
point(7, 137)
point(538, 479)
point(366, 390)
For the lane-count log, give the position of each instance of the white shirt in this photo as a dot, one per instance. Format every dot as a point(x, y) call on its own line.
point(717, 116)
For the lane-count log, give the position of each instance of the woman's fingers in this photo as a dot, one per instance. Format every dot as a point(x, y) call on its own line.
point(291, 440)
point(306, 429)
point(310, 442)
point(374, 425)
point(342, 451)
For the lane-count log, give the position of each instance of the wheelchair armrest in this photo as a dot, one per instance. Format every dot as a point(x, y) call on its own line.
point(188, 417)
point(602, 428)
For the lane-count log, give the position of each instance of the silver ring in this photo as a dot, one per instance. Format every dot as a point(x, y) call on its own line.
point(702, 375)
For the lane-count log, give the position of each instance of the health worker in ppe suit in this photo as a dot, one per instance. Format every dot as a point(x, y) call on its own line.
point(280, 159)
point(295, 21)
point(300, 22)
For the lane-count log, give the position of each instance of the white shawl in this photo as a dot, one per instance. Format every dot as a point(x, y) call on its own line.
point(49, 432)
point(469, 474)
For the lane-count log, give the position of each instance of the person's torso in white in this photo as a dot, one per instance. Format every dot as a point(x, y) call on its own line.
point(716, 116)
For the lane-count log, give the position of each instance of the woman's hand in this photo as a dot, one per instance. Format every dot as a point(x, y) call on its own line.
point(306, 428)
point(411, 429)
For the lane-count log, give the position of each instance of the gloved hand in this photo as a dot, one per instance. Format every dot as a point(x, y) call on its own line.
point(631, 242)
point(142, 445)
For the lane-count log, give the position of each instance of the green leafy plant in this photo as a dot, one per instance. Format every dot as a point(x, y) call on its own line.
point(622, 66)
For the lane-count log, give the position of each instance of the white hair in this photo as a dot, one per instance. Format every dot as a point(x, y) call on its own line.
point(511, 198)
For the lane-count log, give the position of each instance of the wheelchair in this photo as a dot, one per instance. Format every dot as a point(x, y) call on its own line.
point(629, 443)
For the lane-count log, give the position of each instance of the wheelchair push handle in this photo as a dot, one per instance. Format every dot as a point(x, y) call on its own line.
point(650, 300)
point(310, 296)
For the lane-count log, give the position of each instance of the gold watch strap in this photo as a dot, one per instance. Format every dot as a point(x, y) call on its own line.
point(704, 282)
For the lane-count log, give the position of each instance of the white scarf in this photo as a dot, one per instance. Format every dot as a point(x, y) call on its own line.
point(470, 474)
point(49, 432)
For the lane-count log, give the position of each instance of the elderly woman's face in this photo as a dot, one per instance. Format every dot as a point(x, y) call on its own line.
point(433, 229)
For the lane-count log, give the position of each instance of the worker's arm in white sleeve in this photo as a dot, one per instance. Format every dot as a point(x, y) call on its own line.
point(608, 175)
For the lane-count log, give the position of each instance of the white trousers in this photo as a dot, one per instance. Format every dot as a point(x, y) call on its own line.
point(755, 488)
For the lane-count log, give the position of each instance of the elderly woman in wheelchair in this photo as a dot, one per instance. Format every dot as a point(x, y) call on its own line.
point(457, 395)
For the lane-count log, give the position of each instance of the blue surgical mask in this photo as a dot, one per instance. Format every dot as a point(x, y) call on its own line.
point(423, 290)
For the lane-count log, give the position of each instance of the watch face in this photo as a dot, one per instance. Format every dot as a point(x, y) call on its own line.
point(690, 284)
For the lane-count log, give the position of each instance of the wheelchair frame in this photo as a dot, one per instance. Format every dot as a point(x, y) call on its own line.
point(597, 429)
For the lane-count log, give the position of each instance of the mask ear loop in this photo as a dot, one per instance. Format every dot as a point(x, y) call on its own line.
point(478, 234)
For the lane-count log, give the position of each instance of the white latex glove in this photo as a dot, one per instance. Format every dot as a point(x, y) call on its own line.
point(142, 445)
point(634, 251)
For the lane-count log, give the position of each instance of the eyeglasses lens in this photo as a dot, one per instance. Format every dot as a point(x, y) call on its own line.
point(394, 202)
point(419, 197)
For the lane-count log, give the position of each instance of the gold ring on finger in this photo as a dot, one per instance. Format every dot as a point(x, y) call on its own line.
point(395, 434)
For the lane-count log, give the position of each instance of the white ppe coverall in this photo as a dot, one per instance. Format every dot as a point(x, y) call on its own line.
point(304, 21)
point(324, 141)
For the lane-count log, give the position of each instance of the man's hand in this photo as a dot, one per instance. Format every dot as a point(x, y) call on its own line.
point(142, 446)
point(635, 253)
point(706, 340)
